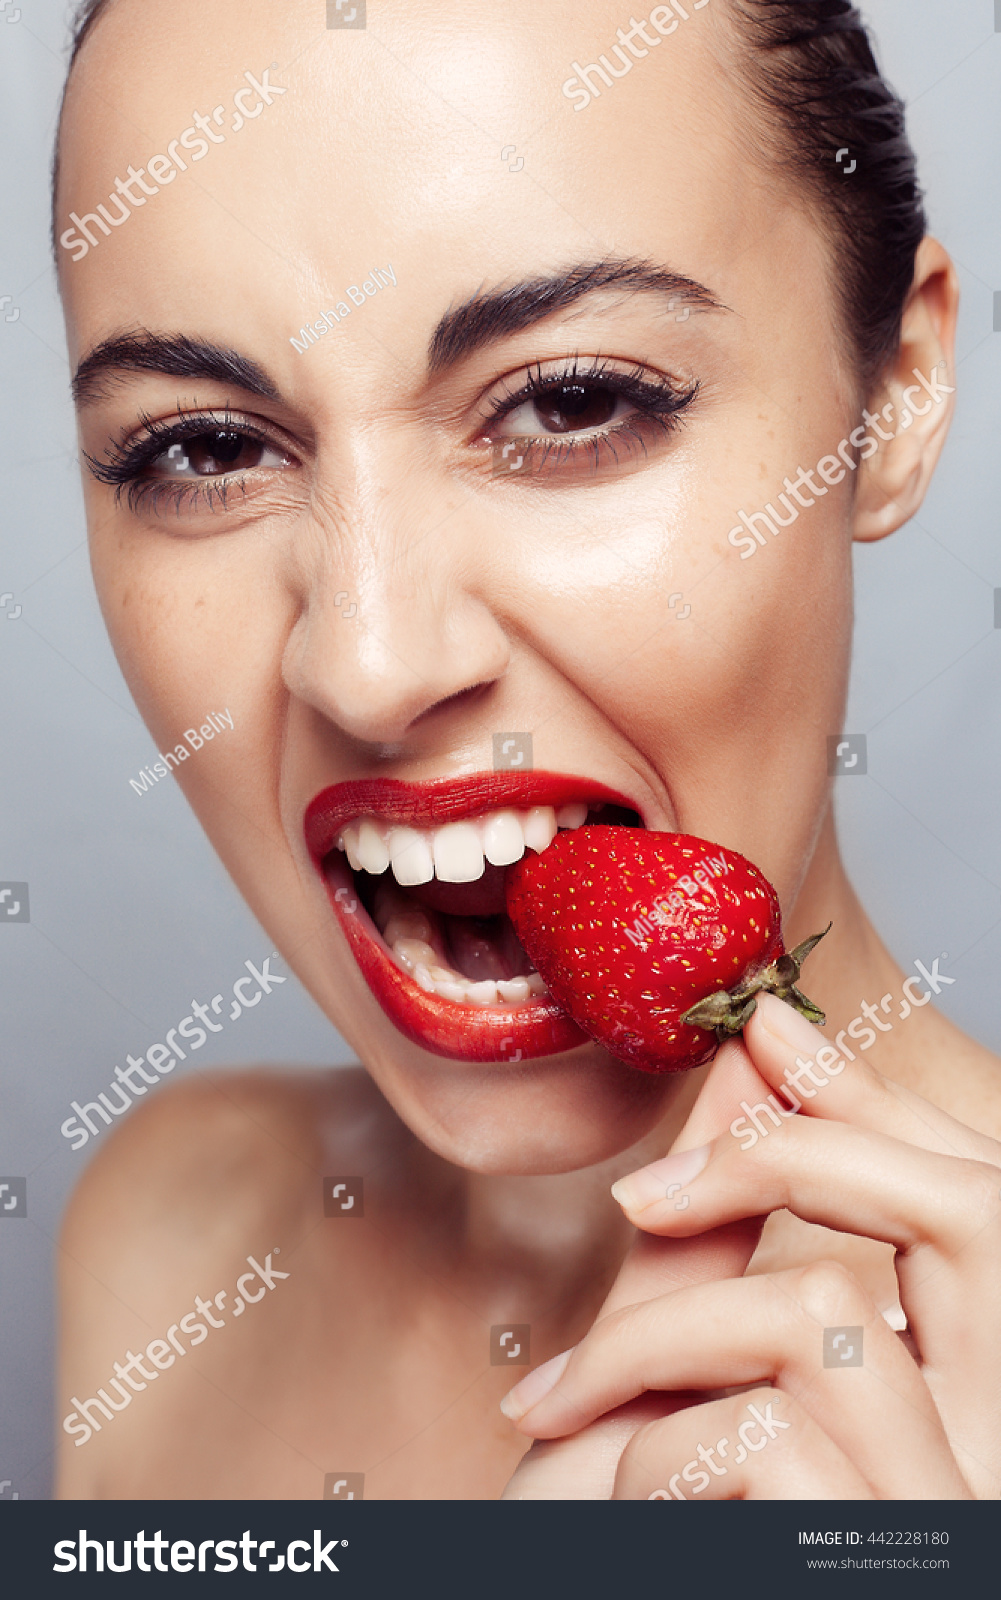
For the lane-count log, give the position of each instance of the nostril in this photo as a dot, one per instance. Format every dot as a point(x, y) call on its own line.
point(461, 698)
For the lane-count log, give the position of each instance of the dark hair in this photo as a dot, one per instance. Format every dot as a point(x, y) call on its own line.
point(811, 64)
point(84, 15)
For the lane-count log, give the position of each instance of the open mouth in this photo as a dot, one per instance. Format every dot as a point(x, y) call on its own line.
point(415, 876)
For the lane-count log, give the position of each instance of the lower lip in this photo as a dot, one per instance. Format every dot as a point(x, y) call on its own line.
point(463, 1033)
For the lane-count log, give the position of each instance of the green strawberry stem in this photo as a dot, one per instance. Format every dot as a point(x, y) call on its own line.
point(727, 1011)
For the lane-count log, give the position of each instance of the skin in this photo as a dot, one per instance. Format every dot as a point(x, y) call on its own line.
point(481, 604)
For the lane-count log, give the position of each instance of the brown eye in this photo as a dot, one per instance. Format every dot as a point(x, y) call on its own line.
point(574, 407)
point(213, 454)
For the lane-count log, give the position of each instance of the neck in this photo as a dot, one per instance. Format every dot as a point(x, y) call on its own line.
point(857, 983)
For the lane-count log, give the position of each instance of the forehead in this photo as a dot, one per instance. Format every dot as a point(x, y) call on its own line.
point(439, 139)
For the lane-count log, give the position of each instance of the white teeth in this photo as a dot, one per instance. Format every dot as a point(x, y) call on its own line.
point(421, 962)
point(572, 815)
point(458, 854)
point(410, 855)
point(539, 827)
point(449, 991)
point(513, 990)
point(503, 839)
point(413, 953)
point(371, 847)
point(482, 994)
point(454, 853)
point(350, 847)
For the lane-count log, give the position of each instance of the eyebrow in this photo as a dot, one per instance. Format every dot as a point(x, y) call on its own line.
point(172, 355)
point(476, 322)
point(486, 317)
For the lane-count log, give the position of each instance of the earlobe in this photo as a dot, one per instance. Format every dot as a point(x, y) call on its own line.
point(915, 402)
point(890, 489)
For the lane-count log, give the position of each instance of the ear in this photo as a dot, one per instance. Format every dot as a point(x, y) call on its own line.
point(907, 421)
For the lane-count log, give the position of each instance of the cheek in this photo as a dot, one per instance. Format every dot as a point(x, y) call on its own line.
point(645, 605)
point(192, 634)
point(724, 676)
point(600, 572)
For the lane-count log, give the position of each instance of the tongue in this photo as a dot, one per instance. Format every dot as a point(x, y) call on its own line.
point(485, 947)
point(483, 898)
point(477, 944)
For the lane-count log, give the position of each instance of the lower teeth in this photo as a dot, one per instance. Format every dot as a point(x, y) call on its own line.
point(411, 938)
point(420, 962)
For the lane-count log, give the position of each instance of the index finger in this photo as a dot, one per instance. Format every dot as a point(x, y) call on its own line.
point(656, 1265)
point(829, 1081)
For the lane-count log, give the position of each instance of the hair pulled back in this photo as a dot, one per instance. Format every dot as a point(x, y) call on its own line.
point(817, 91)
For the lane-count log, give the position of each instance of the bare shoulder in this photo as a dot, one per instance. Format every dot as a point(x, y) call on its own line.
point(213, 1151)
point(209, 1172)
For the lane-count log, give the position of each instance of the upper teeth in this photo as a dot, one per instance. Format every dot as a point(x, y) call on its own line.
point(455, 852)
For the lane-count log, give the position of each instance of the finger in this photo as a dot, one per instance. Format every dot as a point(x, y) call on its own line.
point(583, 1466)
point(943, 1215)
point(732, 1076)
point(652, 1267)
point(753, 1330)
point(833, 1081)
point(844, 1178)
point(759, 1445)
point(656, 1265)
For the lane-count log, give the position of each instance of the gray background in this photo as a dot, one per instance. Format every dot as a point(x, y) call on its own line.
point(132, 916)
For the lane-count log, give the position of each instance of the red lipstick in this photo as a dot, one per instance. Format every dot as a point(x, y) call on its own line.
point(496, 1032)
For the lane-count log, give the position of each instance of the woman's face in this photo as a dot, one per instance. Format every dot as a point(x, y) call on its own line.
point(379, 547)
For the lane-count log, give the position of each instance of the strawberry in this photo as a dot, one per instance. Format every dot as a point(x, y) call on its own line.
point(654, 943)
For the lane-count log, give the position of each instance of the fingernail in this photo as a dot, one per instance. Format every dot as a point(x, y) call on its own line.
point(535, 1387)
point(785, 1023)
point(643, 1188)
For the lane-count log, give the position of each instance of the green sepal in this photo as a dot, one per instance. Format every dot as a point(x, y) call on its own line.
point(727, 1011)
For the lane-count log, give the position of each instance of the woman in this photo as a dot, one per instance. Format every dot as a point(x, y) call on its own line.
point(394, 446)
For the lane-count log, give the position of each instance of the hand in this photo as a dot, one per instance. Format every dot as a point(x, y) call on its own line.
point(583, 1465)
point(865, 1157)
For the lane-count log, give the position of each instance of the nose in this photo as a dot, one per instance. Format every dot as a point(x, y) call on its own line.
point(389, 633)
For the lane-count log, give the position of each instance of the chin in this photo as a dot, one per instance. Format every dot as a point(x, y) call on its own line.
point(557, 1114)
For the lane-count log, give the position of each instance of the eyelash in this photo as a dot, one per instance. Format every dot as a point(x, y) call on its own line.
point(659, 402)
point(125, 463)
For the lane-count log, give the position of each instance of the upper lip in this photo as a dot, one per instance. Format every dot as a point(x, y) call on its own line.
point(441, 800)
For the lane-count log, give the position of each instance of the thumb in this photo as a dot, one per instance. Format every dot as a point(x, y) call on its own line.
point(656, 1266)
